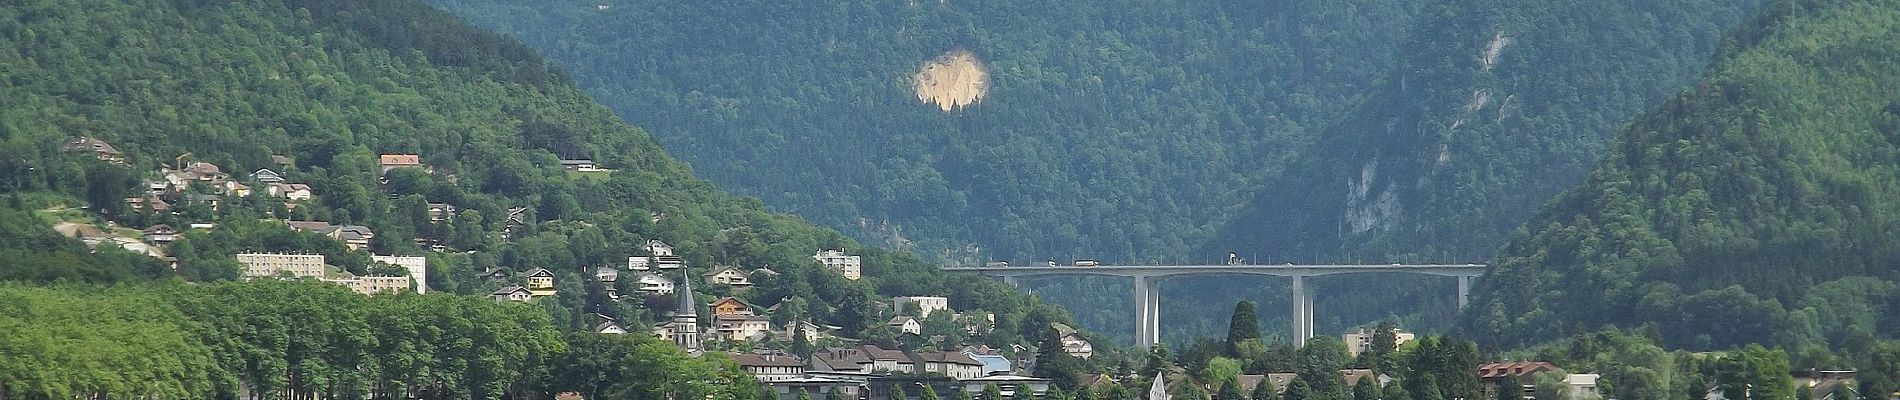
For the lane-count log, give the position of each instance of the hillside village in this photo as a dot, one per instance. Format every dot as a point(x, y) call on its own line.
point(921, 334)
point(923, 341)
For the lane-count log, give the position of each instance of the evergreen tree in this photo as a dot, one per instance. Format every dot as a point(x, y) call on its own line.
point(835, 394)
point(801, 346)
point(1366, 389)
point(1298, 389)
point(1229, 390)
point(1156, 361)
point(963, 395)
point(1054, 363)
point(1264, 391)
point(897, 393)
point(1242, 327)
point(803, 394)
point(930, 393)
point(1319, 364)
point(1385, 342)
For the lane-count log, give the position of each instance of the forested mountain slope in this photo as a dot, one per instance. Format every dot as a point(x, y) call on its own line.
point(1144, 131)
point(1120, 130)
point(317, 90)
point(1758, 206)
point(1493, 108)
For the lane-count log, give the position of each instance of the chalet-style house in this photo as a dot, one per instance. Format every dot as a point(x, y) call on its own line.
point(512, 293)
point(541, 282)
point(730, 276)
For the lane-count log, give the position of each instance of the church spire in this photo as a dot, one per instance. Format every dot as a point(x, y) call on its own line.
point(1160, 389)
point(686, 318)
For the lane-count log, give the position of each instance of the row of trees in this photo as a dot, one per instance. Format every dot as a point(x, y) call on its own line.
point(275, 339)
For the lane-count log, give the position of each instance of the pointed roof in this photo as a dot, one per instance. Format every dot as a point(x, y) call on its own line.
point(687, 307)
point(1158, 391)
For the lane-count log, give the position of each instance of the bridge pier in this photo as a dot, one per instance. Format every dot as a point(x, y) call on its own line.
point(1302, 317)
point(1464, 291)
point(1011, 281)
point(1147, 312)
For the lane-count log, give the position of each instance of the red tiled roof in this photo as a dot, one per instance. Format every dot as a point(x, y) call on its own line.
point(400, 159)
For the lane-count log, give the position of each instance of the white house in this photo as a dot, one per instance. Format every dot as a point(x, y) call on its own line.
point(925, 304)
point(658, 248)
point(741, 327)
point(654, 284)
point(639, 263)
point(906, 324)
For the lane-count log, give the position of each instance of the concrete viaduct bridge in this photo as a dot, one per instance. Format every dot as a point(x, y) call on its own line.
point(1148, 298)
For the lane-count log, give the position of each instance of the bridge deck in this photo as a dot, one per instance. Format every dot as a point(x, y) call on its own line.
point(1276, 270)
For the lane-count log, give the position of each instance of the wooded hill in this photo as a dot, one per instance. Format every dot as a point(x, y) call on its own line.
point(331, 85)
point(1124, 131)
point(1757, 207)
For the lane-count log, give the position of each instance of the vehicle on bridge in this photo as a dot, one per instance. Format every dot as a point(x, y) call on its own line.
point(996, 264)
point(1087, 263)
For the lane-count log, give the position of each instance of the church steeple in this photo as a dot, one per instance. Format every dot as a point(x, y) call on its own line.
point(1160, 389)
point(686, 317)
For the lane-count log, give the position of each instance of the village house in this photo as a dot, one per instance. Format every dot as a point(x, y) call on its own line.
point(541, 282)
point(394, 161)
point(1361, 340)
point(731, 306)
point(151, 202)
point(234, 188)
point(654, 284)
point(845, 360)
point(609, 327)
point(98, 148)
point(355, 237)
point(906, 324)
point(658, 248)
point(1493, 373)
point(952, 364)
point(266, 176)
point(770, 366)
point(1073, 342)
point(729, 276)
point(811, 331)
point(161, 234)
point(836, 260)
point(288, 191)
point(512, 293)
point(738, 327)
point(517, 218)
point(924, 304)
point(494, 274)
point(639, 263)
point(441, 212)
point(580, 165)
point(886, 360)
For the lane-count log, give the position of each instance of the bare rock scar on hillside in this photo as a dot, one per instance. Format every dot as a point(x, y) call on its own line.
point(953, 80)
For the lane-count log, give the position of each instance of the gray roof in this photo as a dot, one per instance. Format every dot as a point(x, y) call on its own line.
point(687, 307)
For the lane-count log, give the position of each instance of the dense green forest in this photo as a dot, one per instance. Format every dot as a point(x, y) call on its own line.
point(1125, 131)
point(327, 87)
point(1757, 207)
